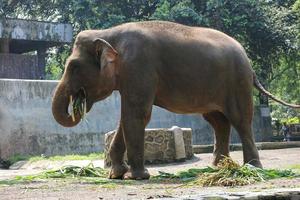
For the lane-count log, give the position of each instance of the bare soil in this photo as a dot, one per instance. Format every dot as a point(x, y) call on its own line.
point(76, 189)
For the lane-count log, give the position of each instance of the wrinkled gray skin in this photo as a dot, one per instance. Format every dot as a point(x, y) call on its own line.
point(182, 69)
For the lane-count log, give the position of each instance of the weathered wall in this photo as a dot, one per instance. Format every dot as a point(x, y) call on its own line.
point(27, 125)
point(19, 66)
point(35, 30)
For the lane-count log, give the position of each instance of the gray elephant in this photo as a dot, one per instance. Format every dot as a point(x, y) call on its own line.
point(180, 68)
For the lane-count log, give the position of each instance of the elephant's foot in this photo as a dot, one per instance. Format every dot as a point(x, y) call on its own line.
point(118, 171)
point(136, 174)
point(255, 162)
point(216, 162)
point(218, 158)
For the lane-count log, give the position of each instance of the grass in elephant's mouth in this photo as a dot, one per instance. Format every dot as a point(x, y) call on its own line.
point(227, 173)
point(78, 104)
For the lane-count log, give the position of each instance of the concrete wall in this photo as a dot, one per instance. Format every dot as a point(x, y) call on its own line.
point(27, 125)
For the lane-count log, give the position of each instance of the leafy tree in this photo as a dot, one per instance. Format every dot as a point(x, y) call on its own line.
point(182, 12)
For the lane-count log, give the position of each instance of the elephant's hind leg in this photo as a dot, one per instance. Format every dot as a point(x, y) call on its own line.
point(250, 151)
point(221, 126)
point(240, 116)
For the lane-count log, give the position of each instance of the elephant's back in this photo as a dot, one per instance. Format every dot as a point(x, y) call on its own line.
point(190, 62)
point(181, 49)
point(165, 31)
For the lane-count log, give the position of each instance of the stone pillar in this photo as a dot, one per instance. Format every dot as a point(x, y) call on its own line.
point(180, 153)
point(266, 126)
point(41, 53)
point(4, 45)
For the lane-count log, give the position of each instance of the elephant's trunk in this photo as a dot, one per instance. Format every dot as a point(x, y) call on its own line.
point(60, 104)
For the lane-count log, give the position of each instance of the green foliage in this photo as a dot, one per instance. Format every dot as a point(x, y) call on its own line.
point(183, 12)
point(87, 173)
point(113, 20)
point(284, 114)
point(296, 6)
point(162, 12)
point(75, 171)
point(227, 173)
point(54, 66)
point(292, 120)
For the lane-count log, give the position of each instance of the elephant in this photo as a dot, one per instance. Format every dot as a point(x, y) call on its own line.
point(180, 68)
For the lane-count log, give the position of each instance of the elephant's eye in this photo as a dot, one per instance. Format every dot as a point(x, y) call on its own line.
point(72, 68)
point(73, 65)
point(97, 63)
point(75, 68)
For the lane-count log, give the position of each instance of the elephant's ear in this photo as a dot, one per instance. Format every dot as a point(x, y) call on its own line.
point(104, 52)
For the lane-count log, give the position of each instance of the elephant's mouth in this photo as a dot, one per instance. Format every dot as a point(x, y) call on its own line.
point(79, 104)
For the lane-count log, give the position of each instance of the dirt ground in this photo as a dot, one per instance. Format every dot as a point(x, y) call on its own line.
point(79, 189)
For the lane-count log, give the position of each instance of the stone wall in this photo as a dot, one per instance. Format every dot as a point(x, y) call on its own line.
point(27, 125)
point(161, 146)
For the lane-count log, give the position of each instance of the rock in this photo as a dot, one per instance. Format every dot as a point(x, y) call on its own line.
point(18, 165)
point(161, 145)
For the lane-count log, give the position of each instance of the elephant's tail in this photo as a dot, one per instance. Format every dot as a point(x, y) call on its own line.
point(258, 85)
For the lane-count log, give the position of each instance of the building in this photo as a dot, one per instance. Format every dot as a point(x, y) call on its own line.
point(23, 46)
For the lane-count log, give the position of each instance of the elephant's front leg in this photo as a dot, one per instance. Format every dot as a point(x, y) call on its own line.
point(116, 153)
point(135, 116)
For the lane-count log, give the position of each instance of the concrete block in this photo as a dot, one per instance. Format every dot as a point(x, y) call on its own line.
point(161, 145)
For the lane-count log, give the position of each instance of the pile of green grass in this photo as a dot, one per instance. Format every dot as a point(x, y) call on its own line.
point(66, 172)
point(227, 173)
point(75, 171)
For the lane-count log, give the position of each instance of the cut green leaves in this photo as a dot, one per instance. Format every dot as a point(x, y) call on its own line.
point(227, 173)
